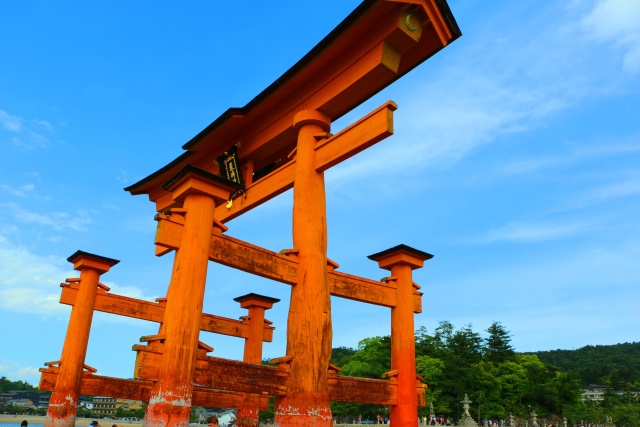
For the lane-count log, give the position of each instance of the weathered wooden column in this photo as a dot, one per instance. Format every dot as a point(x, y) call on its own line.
point(249, 414)
point(309, 331)
point(401, 260)
point(195, 193)
point(64, 399)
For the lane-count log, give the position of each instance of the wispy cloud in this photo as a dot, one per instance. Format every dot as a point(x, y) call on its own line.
point(536, 232)
point(55, 220)
point(29, 282)
point(616, 22)
point(25, 191)
point(529, 165)
point(630, 186)
point(22, 191)
point(19, 371)
point(469, 104)
point(24, 133)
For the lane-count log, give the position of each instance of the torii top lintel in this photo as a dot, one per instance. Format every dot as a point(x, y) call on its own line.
point(379, 42)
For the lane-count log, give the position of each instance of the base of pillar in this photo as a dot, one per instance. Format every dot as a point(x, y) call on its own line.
point(248, 417)
point(163, 414)
point(54, 421)
point(293, 412)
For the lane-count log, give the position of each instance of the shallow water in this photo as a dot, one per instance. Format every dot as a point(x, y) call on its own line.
point(17, 424)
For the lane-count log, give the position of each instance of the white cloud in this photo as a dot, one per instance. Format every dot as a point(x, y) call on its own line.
point(26, 134)
point(9, 122)
point(29, 282)
point(56, 220)
point(128, 291)
point(531, 165)
point(537, 232)
point(617, 22)
point(496, 85)
point(22, 191)
point(17, 371)
point(624, 188)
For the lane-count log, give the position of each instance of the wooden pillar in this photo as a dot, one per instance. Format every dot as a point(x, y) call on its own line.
point(309, 331)
point(249, 414)
point(196, 192)
point(401, 260)
point(64, 399)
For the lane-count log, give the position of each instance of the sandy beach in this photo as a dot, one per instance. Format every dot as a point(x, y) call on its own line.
point(35, 419)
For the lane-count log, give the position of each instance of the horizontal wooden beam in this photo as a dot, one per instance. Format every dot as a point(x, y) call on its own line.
point(154, 312)
point(377, 44)
point(98, 385)
point(231, 375)
point(369, 130)
point(362, 390)
point(218, 373)
point(253, 259)
point(364, 133)
point(226, 392)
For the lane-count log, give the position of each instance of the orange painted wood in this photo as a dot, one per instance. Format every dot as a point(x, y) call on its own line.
point(218, 373)
point(97, 385)
point(171, 399)
point(249, 414)
point(309, 330)
point(400, 261)
point(154, 312)
point(63, 403)
point(253, 259)
point(373, 47)
point(359, 136)
point(362, 390)
point(341, 389)
point(403, 356)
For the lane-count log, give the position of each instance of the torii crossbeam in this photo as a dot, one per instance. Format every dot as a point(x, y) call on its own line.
point(278, 141)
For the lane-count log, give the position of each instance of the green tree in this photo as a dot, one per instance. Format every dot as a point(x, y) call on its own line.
point(372, 359)
point(340, 356)
point(498, 347)
point(430, 369)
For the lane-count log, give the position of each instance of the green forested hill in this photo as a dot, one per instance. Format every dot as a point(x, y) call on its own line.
point(501, 381)
point(616, 365)
point(8, 385)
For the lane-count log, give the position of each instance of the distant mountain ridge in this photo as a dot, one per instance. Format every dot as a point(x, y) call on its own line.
point(615, 365)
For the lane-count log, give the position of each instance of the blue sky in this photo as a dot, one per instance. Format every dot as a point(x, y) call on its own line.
point(515, 161)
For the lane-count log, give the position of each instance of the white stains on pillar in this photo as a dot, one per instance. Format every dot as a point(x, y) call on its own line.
point(324, 413)
point(170, 398)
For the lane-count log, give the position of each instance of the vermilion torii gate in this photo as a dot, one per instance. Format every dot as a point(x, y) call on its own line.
point(280, 140)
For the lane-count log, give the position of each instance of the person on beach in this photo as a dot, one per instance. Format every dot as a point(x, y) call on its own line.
point(212, 421)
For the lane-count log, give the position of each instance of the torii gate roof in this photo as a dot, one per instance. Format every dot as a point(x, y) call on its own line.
point(379, 42)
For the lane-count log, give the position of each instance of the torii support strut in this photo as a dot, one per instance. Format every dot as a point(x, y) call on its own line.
point(196, 193)
point(401, 260)
point(309, 331)
point(249, 414)
point(64, 399)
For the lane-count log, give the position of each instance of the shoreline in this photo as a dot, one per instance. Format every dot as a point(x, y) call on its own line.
point(84, 422)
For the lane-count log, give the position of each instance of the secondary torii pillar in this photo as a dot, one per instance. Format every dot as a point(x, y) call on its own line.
point(64, 399)
point(309, 330)
point(249, 414)
point(401, 260)
point(195, 193)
